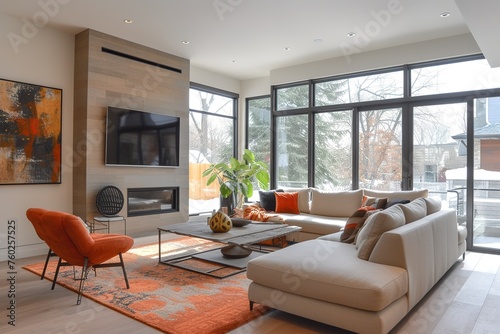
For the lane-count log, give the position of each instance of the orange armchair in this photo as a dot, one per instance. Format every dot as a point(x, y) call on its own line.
point(67, 237)
point(35, 217)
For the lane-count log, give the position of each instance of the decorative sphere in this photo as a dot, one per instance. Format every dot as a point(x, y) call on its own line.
point(220, 222)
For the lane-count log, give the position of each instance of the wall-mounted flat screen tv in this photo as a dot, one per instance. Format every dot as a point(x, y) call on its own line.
point(138, 138)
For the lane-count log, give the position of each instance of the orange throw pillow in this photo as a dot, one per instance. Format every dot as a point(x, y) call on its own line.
point(287, 202)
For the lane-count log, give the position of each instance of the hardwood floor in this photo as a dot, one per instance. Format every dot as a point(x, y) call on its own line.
point(466, 300)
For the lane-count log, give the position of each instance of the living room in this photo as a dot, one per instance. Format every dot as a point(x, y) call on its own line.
point(45, 54)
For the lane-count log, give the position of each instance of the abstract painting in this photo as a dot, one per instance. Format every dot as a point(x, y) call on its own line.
point(30, 133)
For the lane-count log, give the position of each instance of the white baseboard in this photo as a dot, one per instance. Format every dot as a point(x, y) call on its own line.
point(25, 251)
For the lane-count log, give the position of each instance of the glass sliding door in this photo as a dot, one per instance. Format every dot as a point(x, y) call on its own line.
point(440, 153)
point(486, 204)
point(380, 149)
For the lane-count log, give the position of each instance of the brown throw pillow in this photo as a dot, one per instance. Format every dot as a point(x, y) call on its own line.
point(374, 202)
point(354, 224)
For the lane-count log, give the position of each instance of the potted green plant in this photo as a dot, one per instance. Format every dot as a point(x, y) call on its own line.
point(235, 178)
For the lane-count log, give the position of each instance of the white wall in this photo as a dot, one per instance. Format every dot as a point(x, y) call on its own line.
point(442, 48)
point(212, 79)
point(44, 57)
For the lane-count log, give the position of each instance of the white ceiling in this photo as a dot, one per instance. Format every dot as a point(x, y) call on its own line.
point(245, 39)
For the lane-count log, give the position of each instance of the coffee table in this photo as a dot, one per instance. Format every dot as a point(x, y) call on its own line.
point(243, 236)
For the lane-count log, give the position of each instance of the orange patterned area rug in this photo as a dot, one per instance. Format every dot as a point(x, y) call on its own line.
point(170, 299)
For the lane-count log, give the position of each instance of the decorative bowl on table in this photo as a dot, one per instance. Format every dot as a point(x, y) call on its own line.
point(240, 222)
point(235, 251)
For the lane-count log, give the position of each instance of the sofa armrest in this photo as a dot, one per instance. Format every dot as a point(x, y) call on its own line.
point(426, 248)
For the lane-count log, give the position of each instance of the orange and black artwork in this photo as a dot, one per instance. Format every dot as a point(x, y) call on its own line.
point(30, 133)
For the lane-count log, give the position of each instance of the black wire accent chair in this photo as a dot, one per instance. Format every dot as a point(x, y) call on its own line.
point(109, 202)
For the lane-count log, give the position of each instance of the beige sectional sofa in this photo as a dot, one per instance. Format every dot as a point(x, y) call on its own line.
point(324, 213)
point(367, 287)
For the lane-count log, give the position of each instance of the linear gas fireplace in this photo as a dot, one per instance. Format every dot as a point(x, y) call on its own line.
point(151, 201)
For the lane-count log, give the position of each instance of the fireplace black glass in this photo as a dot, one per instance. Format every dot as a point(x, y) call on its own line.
point(151, 201)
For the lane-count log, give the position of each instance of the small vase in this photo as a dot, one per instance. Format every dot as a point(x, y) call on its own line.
point(220, 222)
point(229, 203)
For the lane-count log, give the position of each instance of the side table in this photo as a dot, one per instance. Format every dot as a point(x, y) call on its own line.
point(104, 223)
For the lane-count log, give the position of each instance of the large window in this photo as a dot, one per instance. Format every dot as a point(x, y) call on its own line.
point(333, 150)
point(377, 86)
point(453, 77)
point(212, 134)
point(433, 125)
point(258, 134)
point(294, 97)
point(380, 149)
point(292, 151)
point(259, 127)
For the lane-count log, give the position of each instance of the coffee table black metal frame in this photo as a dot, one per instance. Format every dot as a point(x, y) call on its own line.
point(243, 236)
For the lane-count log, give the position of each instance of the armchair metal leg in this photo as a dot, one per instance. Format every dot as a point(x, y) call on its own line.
point(85, 269)
point(46, 263)
point(122, 264)
point(57, 273)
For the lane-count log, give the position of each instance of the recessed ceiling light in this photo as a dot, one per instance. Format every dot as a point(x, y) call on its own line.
point(286, 48)
point(351, 34)
point(445, 14)
point(185, 42)
point(317, 40)
point(128, 21)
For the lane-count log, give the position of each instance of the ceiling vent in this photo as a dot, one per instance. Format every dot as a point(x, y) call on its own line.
point(144, 61)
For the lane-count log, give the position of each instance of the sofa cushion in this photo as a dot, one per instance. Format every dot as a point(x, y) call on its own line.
point(314, 224)
point(397, 195)
point(335, 204)
point(331, 272)
point(287, 202)
point(375, 226)
point(305, 200)
point(433, 204)
point(414, 210)
point(268, 200)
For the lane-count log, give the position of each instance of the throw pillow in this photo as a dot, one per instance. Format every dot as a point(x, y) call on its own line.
point(374, 202)
point(354, 224)
point(397, 201)
point(287, 202)
point(304, 198)
point(375, 226)
point(268, 200)
point(414, 210)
